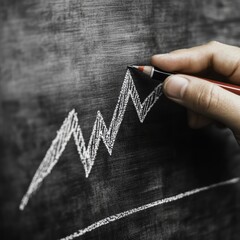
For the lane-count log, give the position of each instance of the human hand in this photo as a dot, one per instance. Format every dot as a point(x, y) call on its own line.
point(205, 101)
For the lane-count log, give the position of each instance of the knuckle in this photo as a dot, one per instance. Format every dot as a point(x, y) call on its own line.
point(213, 43)
point(207, 98)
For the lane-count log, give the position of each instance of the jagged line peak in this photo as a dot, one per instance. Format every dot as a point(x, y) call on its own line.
point(71, 127)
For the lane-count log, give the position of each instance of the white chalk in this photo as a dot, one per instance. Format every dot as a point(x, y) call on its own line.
point(124, 214)
point(71, 127)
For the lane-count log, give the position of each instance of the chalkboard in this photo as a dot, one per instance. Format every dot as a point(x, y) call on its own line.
point(90, 150)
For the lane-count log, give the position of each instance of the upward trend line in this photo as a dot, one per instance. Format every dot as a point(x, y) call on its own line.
point(71, 127)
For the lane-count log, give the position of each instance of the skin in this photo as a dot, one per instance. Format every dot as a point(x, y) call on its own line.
point(205, 101)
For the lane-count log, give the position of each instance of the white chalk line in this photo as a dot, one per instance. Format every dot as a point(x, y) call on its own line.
point(88, 154)
point(124, 214)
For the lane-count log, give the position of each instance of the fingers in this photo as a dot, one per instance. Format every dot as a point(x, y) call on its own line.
point(237, 136)
point(204, 98)
point(196, 120)
point(223, 59)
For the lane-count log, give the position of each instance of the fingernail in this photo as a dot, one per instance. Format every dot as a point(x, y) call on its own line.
point(175, 86)
point(157, 56)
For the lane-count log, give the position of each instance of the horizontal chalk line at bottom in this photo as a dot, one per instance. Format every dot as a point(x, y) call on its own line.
point(121, 215)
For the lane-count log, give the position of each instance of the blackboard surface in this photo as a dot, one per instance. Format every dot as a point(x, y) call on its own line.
point(60, 55)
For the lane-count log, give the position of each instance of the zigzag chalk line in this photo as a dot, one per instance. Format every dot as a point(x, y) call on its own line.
point(71, 127)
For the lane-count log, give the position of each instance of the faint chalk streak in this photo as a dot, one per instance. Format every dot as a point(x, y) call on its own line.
point(88, 154)
point(124, 214)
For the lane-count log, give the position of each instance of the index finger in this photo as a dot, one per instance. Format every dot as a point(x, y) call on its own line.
point(223, 59)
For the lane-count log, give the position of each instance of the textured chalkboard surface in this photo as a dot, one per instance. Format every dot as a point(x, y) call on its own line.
point(60, 55)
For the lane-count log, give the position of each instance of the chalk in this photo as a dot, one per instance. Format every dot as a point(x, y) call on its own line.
point(71, 127)
point(124, 214)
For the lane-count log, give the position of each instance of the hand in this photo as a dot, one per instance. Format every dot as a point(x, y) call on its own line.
point(205, 101)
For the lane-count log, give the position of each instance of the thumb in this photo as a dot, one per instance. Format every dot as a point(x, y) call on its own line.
point(205, 98)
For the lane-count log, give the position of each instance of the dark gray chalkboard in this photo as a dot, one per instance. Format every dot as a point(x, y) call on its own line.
point(60, 55)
